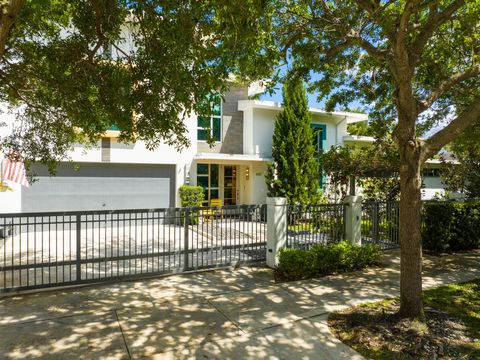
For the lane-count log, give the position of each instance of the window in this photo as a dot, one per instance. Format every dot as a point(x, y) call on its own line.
point(319, 136)
point(114, 127)
point(211, 126)
point(230, 185)
point(431, 172)
point(207, 177)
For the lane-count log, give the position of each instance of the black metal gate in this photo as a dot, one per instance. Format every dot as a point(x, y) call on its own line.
point(380, 223)
point(308, 225)
point(40, 250)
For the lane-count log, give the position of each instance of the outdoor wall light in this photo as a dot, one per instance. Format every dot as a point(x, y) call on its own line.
point(247, 173)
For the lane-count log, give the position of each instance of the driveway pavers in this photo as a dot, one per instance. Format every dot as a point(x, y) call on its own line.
point(223, 314)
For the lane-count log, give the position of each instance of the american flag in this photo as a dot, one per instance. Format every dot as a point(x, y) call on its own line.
point(15, 172)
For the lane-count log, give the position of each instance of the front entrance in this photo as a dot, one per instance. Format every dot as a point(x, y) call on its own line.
point(218, 182)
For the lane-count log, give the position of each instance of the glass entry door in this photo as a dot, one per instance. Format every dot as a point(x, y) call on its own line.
point(230, 185)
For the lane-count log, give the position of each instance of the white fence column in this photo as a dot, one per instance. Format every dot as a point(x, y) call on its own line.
point(276, 228)
point(353, 219)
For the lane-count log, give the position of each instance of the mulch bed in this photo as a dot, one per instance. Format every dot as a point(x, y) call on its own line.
point(379, 333)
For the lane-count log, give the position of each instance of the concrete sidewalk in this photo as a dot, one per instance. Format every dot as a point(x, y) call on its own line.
point(224, 314)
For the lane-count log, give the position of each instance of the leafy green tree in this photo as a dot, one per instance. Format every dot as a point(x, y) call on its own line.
point(70, 69)
point(410, 63)
point(375, 168)
point(360, 128)
point(463, 175)
point(386, 188)
point(294, 171)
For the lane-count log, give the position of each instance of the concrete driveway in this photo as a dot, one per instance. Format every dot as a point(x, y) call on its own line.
point(223, 314)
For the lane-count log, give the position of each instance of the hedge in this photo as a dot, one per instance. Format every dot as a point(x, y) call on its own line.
point(320, 260)
point(191, 196)
point(451, 226)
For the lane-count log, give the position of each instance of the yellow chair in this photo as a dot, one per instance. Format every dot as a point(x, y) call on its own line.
point(211, 214)
point(216, 202)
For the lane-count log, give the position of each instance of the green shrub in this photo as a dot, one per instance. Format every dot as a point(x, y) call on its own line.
point(191, 196)
point(450, 226)
point(296, 264)
point(323, 260)
point(437, 223)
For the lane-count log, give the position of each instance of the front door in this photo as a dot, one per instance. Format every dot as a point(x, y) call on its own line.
point(230, 185)
point(218, 182)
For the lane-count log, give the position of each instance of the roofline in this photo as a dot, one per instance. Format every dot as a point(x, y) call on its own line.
point(231, 157)
point(272, 105)
point(358, 138)
point(438, 161)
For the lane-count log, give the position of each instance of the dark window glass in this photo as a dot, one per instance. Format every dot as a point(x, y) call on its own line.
point(216, 129)
point(202, 134)
point(217, 106)
point(228, 193)
point(202, 169)
point(202, 181)
point(203, 122)
point(228, 170)
point(214, 175)
point(213, 194)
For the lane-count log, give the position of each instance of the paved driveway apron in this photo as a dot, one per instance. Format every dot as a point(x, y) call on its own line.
point(223, 314)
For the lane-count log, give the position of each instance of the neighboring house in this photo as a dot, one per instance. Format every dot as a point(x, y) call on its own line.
point(433, 186)
point(127, 176)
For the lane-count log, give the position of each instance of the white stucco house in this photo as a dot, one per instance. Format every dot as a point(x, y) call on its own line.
point(115, 175)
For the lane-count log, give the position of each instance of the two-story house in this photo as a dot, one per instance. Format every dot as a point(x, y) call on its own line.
point(115, 175)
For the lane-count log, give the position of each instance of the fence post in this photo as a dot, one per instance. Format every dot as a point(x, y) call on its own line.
point(185, 242)
point(276, 228)
point(79, 247)
point(375, 222)
point(353, 219)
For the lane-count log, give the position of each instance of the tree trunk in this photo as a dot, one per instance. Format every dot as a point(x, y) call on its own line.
point(411, 304)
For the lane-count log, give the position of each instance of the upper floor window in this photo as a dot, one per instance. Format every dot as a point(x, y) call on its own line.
point(319, 135)
point(210, 127)
point(319, 132)
point(431, 172)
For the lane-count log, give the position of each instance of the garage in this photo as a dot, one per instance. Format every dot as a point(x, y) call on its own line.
point(100, 186)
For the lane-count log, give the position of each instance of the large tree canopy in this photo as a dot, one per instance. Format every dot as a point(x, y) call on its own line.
point(414, 65)
point(463, 173)
point(73, 68)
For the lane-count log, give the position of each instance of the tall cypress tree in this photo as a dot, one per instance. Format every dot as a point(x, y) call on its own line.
point(294, 171)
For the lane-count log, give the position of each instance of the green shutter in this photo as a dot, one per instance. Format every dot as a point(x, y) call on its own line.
point(320, 142)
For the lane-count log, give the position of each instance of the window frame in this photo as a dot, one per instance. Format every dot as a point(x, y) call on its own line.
point(320, 146)
point(211, 119)
point(209, 188)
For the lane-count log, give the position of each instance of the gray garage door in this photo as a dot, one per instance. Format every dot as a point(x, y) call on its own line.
point(101, 187)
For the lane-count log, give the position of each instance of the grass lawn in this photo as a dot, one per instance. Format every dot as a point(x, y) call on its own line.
point(451, 330)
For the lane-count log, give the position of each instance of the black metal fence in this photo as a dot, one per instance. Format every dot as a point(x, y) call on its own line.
point(51, 249)
point(308, 225)
point(380, 223)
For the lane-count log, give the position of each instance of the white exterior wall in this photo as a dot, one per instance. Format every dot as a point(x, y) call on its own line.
point(10, 201)
point(432, 186)
point(261, 133)
point(137, 153)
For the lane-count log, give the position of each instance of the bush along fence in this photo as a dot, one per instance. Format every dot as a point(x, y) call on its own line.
point(451, 226)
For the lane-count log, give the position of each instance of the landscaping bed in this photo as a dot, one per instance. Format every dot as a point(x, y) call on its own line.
point(451, 329)
point(321, 260)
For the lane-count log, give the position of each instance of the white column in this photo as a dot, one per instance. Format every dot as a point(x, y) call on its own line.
point(276, 228)
point(248, 131)
point(353, 219)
